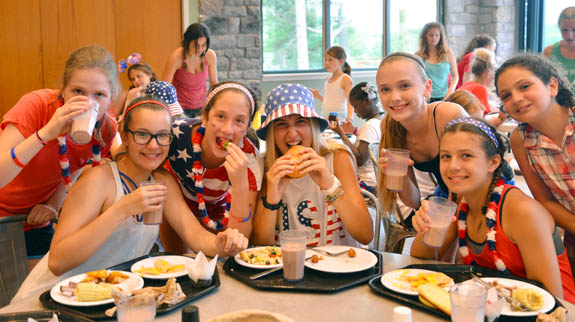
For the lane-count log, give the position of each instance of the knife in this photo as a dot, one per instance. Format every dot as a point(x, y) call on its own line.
point(513, 302)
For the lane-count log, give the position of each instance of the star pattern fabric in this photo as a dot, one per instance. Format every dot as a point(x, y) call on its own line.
point(166, 92)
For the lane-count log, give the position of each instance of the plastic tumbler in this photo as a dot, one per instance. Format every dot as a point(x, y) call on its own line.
point(467, 302)
point(440, 212)
point(153, 217)
point(293, 244)
point(396, 169)
point(83, 124)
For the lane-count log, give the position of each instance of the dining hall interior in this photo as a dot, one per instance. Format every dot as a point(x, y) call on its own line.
point(127, 126)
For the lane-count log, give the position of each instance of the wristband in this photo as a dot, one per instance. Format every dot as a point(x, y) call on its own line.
point(333, 188)
point(338, 194)
point(241, 220)
point(271, 206)
point(40, 139)
point(15, 159)
point(355, 131)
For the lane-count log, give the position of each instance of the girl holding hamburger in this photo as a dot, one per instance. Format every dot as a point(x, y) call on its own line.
point(310, 184)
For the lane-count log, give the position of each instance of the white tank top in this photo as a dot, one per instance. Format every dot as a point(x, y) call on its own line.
point(305, 209)
point(334, 99)
point(132, 239)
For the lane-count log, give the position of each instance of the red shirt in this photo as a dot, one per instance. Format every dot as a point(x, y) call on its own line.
point(41, 176)
point(480, 91)
point(464, 66)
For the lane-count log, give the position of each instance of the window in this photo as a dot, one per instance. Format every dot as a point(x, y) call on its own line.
point(538, 23)
point(296, 33)
point(552, 9)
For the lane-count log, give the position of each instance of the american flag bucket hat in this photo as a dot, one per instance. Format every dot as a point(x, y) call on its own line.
point(288, 99)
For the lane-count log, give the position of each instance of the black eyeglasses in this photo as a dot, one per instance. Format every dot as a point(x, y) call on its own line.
point(144, 138)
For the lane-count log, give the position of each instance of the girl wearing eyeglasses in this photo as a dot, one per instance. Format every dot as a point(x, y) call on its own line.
point(101, 224)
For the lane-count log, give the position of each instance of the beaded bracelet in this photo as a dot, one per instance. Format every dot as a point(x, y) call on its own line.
point(270, 206)
point(15, 159)
point(40, 139)
point(338, 194)
point(241, 220)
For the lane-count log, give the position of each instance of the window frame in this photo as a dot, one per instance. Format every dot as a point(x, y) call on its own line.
point(326, 36)
point(530, 25)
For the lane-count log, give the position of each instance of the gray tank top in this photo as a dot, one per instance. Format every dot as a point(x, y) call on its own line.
point(132, 239)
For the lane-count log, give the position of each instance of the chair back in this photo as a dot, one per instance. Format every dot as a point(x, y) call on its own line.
point(378, 214)
point(374, 155)
point(13, 261)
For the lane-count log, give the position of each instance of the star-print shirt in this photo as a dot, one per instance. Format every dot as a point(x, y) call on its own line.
point(216, 182)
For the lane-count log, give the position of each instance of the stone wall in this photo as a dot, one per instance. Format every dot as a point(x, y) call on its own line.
point(236, 38)
point(497, 18)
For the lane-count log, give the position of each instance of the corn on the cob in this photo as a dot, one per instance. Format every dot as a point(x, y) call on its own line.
point(89, 292)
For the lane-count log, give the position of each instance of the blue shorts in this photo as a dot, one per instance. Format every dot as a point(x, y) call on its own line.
point(38, 241)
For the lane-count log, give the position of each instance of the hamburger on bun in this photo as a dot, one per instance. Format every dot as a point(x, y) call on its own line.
point(294, 152)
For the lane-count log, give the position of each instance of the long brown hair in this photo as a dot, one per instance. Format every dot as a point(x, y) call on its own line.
point(442, 46)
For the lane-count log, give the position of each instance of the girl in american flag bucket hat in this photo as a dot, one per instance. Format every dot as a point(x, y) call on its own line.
point(326, 201)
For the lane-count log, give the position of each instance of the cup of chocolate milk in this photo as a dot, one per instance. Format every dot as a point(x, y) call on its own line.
point(293, 244)
point(153, 217)
point(83, 124)
point(397, 168)
point(440, 212)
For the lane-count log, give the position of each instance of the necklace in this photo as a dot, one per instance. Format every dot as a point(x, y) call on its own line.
point(198, 178)
point(65, 162)
point(490, 222)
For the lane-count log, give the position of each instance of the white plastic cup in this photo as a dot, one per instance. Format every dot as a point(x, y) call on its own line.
point(83, 124)
point(293, 244)
point(396, 170)
point(440, 212)
point(401, 314)
point(467, 302)
point(153, 217)
point(137, 308)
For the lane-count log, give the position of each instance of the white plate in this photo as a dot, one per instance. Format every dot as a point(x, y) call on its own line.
point(172, 259)
point(391, 280)
point(548, 299)
point(246, 264)
point(135, 282)
point(363, 260)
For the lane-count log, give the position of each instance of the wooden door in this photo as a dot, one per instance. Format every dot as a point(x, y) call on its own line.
point(38, 36)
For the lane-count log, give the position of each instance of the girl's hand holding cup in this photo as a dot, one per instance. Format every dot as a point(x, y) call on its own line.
point(144, 199)
point(61, 121)
point(394, 163)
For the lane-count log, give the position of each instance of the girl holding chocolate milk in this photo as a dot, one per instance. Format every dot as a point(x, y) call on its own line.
point(312, 189)
point(217, 167)
point(40, 153)
point(497, 226)
point(104, 220)
point(410, 124)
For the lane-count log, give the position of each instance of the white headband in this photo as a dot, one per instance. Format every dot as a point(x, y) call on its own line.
point(232, 85)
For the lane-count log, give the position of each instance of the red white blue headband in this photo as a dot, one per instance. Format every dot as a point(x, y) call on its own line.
point(131, 60)
point(221, 87)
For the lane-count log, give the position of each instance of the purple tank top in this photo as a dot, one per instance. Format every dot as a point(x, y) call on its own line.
point(191, 88)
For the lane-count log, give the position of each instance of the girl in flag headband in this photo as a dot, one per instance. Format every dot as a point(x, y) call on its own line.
point(217, 167)
point(326, 201)
point(496, 226)
point(102, 225)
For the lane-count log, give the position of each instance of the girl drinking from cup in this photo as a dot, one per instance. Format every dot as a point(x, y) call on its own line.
point(363, 98)
point(35, 142)
point(498, 226)
point(140, 74)
point(217, 167)
point(102, 220)
point(337, 86)
point(439, 61)
point(411, 124)
point(535, 94)
point(312, 188)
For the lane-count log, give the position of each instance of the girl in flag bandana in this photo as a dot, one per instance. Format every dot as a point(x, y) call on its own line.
point(217, 167)
point(497, 226)
point(102, 222)
point(326, 201)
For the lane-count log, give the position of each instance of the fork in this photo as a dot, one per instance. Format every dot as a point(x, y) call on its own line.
point(512, 302)
point(328, 253)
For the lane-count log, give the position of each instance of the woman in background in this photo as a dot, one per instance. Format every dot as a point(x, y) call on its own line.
point(563, 52)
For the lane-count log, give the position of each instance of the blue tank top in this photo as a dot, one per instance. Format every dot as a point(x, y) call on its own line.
point(438, 73)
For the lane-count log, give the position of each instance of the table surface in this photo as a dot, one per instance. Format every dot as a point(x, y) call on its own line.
point(356, 304)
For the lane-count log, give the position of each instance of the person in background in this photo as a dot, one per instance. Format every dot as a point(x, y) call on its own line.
point(539, 98)
point(218, 169)
point(563, 52)
point(38, 159)
point(103, 218)
point(465, 62)
point(439, 61)
point(325, 199)
point(363, 98)
point(140, 75)
point(189, 67)
point(337, 85)
point(473, 106)
point(497, 226)
point(483, 69)
point(410, 123)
